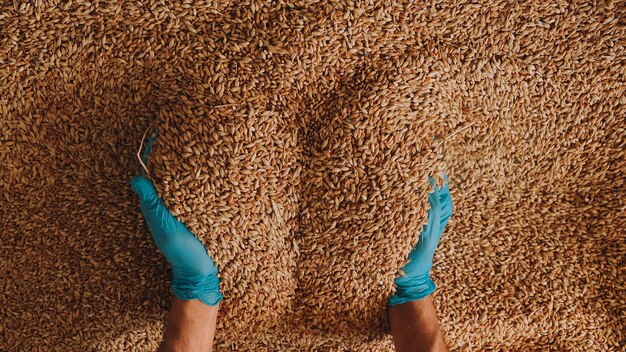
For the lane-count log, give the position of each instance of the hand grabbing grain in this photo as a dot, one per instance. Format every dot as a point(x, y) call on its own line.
point(416, 283)
point(194, 275)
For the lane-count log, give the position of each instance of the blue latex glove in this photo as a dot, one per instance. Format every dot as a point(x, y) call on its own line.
point(417, 283)
point(194, 275)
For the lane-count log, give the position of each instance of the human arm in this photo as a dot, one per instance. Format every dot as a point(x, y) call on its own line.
point(415, 327)
point(190, 326)
point(412, 314)
point(192, 316)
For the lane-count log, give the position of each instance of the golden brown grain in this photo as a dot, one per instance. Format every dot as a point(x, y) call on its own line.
point(297, 140)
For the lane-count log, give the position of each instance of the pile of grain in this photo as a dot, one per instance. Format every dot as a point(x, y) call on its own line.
point(309, 219)
point(533, 256)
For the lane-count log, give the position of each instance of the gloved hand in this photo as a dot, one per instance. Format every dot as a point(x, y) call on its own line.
point(417, 283)
point(194, 275)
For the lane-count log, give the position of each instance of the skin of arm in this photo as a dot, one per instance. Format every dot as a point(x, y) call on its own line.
point(190, 327)
point(415, 327)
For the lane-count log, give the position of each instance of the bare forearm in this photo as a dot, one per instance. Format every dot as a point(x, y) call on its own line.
point(190, 327)
point(415, 327)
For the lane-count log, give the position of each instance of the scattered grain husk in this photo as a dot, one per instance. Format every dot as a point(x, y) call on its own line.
point(533, 95)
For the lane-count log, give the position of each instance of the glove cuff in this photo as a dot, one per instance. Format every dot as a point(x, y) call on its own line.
point(206, 290)
point(412, 290)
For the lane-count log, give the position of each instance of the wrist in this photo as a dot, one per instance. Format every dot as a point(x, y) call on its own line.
point(414, 288)
point(205, 289)
point(190, 327)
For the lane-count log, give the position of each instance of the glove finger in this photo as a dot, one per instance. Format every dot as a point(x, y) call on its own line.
point(435, 228)
point(148, 148)
point(429, 231)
